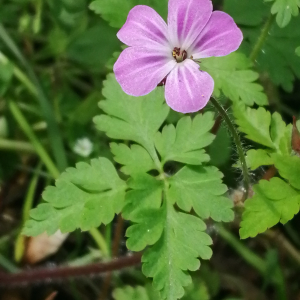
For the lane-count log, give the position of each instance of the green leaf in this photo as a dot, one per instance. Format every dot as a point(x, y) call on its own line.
point(277, 58)
point(84, 50)
point(260, 127)
point(257, 158)
point(113, 11)
point(6, 74)
point(284, 10)
point(143, 208)
point(177, 251)
point(232, 75)
point(131, 118)
point(297, 51)
point(255, 123)
point(273, 201)
point(250, 13)
point(135, 158)
point(136, 293)
point(201, 188)
point(197, 291)
point(84, 197)
point(289, 168)
point(221, 144)
point(185, 143)
point(116, 11)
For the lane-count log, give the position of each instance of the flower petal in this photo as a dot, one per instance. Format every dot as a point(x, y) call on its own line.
point(186, 19)
point(144, 27)
point(139, 70)
point(219, 37)
point(187, 88)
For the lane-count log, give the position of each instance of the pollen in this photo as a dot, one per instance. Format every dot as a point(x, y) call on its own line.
point(179, 55)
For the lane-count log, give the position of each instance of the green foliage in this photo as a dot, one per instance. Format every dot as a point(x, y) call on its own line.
point(84, 50)
point(201, 188)
point(135, 159)
point(175, 240)
point(277, 57)
point(260, 127)
point(115, 11)
point(256, 158)
point(284, 10)
point(181, 243)
point(127, 117)
point(84, 197)
point(255, 123)
point(250, 13)
point(297, 51)
point(273, 201)
point(233, 76)
point(196, 291)
point(136, 293)
point(6, 73)
point(185, 143)
point(289, 168)
point(223, 142)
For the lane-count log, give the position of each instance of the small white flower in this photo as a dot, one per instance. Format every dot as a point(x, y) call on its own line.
point(83, 147)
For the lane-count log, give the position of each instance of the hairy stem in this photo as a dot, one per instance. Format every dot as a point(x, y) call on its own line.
point(237, 142)
point(261, 39)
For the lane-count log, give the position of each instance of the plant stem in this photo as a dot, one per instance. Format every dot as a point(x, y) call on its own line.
point(115, 251)
point(249, 256)
point(48, 275)
point(53, 130)
point(16, 145)
point(21, 76)
point(237, 142)
point(282, 242)
point(21, 239)
point(7, 265)
point(34, 140)
point(98, 238)
point(261, 39)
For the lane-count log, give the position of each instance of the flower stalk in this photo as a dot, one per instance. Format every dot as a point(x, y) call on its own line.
point(261, 39)
point(237, 142)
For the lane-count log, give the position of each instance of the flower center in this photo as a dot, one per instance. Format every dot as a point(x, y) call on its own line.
point(179, 55)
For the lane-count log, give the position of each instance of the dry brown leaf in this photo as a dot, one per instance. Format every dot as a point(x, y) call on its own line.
point(42, 246)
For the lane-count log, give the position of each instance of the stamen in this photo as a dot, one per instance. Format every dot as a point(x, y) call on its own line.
point(179, 55)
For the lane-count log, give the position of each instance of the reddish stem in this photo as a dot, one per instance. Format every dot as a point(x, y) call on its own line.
point(49, 275)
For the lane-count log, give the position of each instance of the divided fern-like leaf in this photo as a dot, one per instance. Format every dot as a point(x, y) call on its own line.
point(136, 293)
point(135, 159)
point(289, 168)
point(183, 240)
point(232, 75)
point(185, 143)
point(273, 201)
point(284, 10)
point(277, 57)
point(115, 11)
point(128, 117)
point(176, 239)
point(266, 129)
point(84, 197)
point(201, 188)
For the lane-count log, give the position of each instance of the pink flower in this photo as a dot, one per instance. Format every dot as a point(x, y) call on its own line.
point(165, 53)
